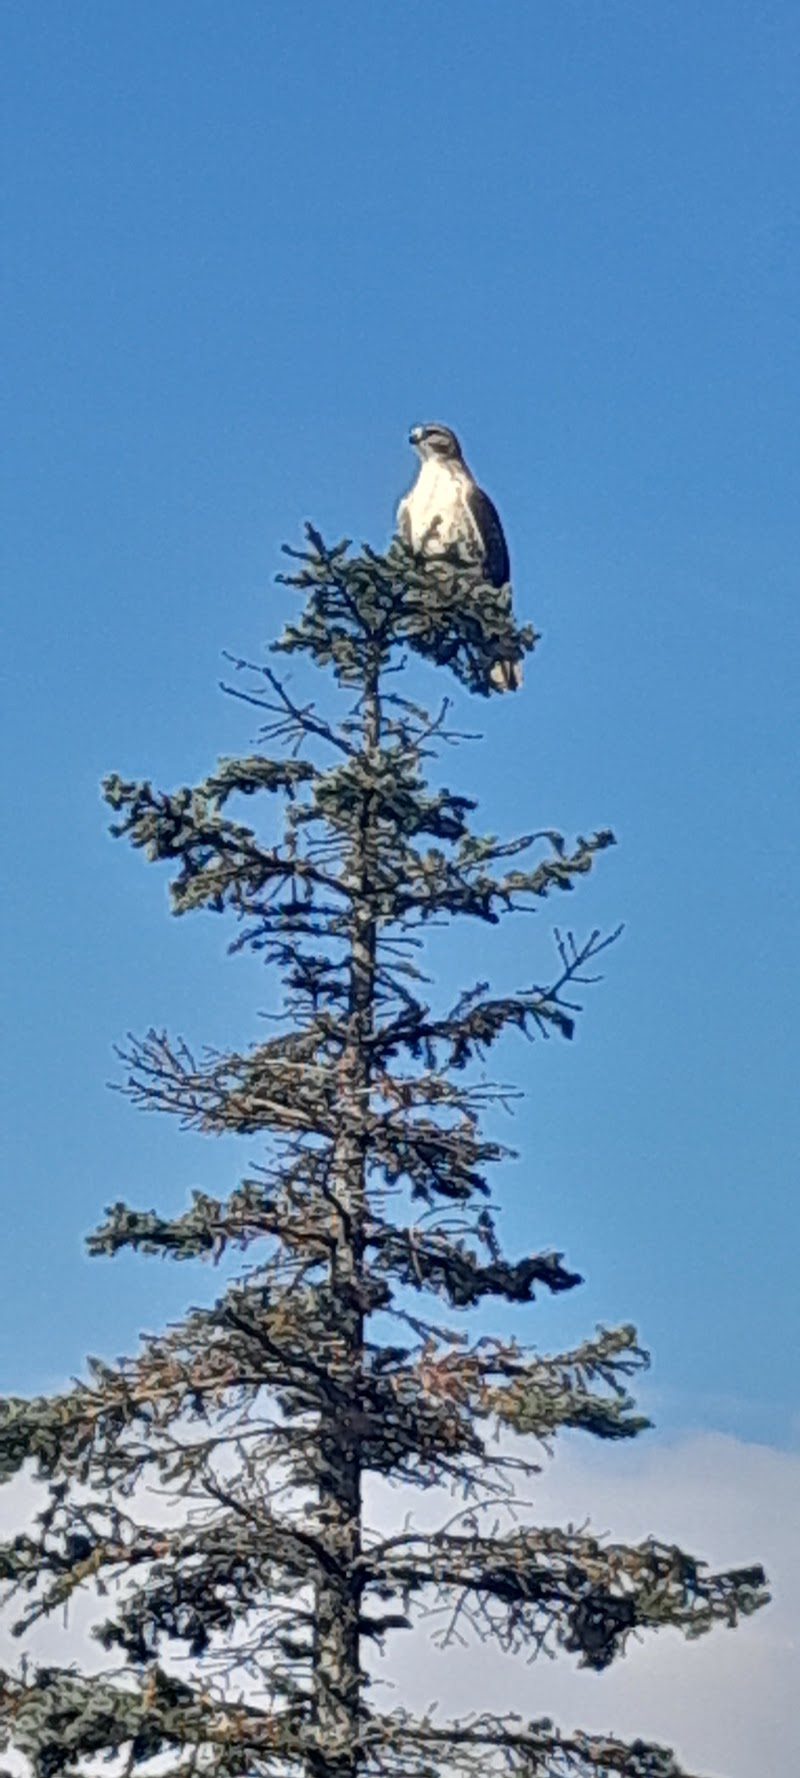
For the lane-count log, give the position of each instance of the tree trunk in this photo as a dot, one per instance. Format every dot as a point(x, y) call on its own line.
point(337, 1665)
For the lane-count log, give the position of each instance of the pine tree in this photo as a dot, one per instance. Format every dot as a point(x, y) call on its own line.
point(346, 1347)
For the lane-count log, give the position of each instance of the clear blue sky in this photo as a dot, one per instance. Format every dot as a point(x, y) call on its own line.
point(245, 247)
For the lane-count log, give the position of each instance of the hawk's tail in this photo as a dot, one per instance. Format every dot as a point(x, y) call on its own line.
point(506, 675)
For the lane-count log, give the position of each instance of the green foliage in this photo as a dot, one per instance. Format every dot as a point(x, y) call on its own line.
point(326, 1360)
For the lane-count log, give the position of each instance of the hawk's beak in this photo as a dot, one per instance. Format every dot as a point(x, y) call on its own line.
point(415, 435)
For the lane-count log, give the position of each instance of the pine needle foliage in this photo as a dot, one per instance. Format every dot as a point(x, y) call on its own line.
point(343, 1352)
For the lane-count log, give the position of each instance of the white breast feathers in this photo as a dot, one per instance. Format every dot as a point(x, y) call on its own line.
point(435, 515)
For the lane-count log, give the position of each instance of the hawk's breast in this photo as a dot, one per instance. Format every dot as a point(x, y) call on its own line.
point(436, 509)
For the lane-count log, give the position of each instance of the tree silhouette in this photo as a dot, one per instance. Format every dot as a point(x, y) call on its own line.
point(347, 1347)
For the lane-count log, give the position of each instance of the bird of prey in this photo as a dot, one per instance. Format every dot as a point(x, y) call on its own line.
point(446, 509)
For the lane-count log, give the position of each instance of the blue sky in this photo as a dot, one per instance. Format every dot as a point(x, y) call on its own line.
point(245, 248)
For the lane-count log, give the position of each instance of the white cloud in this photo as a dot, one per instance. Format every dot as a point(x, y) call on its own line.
point(727, 1704)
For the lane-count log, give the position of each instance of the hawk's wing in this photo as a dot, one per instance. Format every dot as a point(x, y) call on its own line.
point(496, 565)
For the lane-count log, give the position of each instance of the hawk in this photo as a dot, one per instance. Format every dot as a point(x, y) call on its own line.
point(446, 508)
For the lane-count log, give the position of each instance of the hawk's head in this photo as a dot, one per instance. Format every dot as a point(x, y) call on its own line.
point(436, 442)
